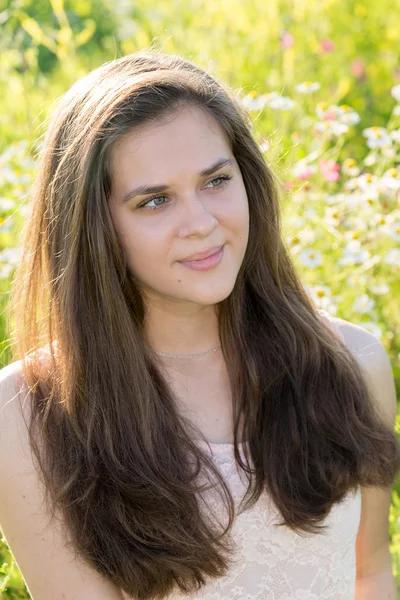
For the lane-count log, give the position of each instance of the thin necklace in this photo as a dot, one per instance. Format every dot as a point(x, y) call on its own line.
point(185, 355)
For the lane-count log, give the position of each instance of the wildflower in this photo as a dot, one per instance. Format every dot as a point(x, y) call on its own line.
point(331, 199)
point(310, 212)
point(395, 135)
point(357, 68)
point(351, 184)
point(392, 257)
point(5, 270)
point(369, 199)
point(331, 127)
point(286, 40)
point(329, 169)
point(389, 152)
point(391, 179)
point(6, 224)
point(8, 175)
point(363, 304)
point(353, 254)
point(307, 87)
point(265, 144)
point(278, 102)
point(379, 289)
point(253, 101)
point(10, 255)
point(6, 203)
point(368, 182)
point(322, 297)
point(374, 131)
point(311, 258)
point(393, 230)
point(327, 45)
point(349, 167)
point(25, 210)
point(356, 281)
point(332, 216)
point(377, 137)
point(395, 91)
point(353, 234)
point(346, 114)
point(303, 171)
point(321, 109)
point(342, 114)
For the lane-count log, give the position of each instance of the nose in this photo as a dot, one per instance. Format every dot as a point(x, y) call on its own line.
point(196, 218)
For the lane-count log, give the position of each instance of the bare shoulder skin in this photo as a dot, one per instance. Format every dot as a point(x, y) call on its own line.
point(373, 556)
point(49, 569)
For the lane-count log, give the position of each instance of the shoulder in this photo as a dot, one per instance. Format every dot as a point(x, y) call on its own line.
point(27, 526)
point(372, 357)
point(12, 385)
point(13, 411)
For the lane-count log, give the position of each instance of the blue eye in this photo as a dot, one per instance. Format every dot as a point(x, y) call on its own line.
point(224, 178)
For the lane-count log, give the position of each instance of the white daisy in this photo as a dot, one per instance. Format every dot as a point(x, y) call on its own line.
point(379, 289)
point(367, 182)
point(395, 91)
point(307, 87)
point(281, 103)
point(363, 304)
point(310, 258)
point(391, 179)
point(392, 257)
point(254, 101)
point(395, 135)
point(353, 254)
point(331, 127)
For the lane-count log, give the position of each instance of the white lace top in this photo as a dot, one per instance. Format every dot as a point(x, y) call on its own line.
point(274, 563)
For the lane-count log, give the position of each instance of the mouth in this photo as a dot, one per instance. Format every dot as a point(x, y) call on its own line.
point(205, 264)
point(202, 255)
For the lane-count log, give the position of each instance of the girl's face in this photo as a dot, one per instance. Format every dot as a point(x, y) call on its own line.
point(191, 213)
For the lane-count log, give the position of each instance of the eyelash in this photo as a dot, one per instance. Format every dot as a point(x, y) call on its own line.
point(225, 179)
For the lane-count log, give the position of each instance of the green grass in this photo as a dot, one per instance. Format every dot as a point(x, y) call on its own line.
point(342, 230)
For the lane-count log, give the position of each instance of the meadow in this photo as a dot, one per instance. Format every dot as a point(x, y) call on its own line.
point(321, 82)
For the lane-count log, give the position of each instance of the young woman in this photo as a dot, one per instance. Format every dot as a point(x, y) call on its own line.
point(180, 420)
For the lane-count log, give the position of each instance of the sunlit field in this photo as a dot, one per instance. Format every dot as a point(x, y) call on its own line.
point(321, 83)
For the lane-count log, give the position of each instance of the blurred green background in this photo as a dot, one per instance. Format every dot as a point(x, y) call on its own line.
point(321, 80)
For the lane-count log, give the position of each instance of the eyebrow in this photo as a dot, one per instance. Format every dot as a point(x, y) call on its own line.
point(142, 190)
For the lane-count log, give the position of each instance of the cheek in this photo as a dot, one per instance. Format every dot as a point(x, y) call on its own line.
point(146, 251)
point(237, 218)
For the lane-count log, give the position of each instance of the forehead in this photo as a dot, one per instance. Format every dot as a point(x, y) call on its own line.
point(186, 140)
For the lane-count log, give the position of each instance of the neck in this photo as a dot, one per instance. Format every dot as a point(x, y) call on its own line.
point(177, 333)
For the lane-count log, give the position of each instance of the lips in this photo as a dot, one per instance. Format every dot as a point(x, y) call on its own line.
point(202, 255)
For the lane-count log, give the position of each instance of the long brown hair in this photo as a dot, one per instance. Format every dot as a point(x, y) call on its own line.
point(117, 459)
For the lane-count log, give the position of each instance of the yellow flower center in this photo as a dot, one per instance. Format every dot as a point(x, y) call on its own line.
point(350, 162)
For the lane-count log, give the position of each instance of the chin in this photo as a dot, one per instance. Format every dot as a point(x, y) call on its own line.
point(210, 296)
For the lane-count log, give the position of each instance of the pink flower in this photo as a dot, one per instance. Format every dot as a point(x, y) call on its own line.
point(288, 185)
point(329, 116)
point(327, 45)
point(357, 67)
point(287, 40)
point(329, 169)
point(305, 174)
